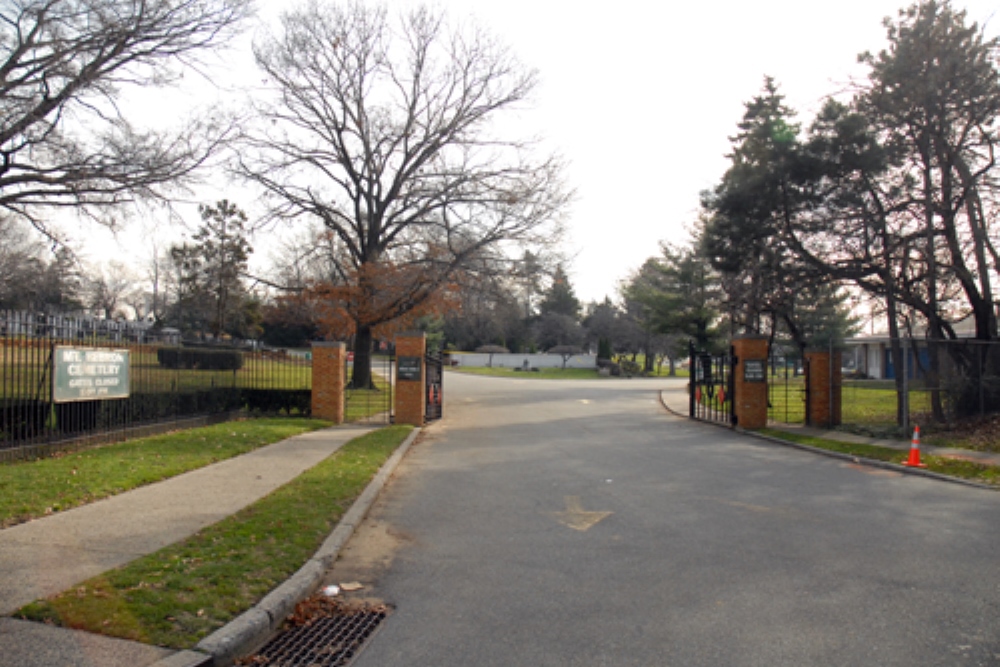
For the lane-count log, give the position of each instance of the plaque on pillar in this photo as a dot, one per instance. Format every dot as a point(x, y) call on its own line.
point(754, 370)
point(409, 369)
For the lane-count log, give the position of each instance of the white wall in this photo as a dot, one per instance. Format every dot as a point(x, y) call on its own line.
point(478, 359)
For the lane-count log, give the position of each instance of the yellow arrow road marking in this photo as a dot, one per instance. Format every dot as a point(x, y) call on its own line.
point(576, 517)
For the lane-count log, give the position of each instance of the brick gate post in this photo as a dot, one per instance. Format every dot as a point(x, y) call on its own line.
point(824, 378)
point(750, 381)
point(410, 400)
point(328, 370)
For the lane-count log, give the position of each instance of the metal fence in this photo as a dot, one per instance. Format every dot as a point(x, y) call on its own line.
point(163, 387)
point(786, 388)
point(712, 382)
point(893, 385)
point(372, 404)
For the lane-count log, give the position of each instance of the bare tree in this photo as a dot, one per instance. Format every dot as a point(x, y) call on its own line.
point(107, 289)
point(380, 129)
point(20, 259)
point(64, 141)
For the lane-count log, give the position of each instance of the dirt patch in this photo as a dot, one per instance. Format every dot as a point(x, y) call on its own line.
point(368, 555)
point(979, 434)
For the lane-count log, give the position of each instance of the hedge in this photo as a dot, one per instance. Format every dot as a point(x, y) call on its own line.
point(209, 360)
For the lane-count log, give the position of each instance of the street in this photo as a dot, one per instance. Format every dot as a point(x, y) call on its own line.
point(579, 523)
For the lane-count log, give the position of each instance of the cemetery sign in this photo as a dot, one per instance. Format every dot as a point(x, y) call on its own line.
point(89, 374)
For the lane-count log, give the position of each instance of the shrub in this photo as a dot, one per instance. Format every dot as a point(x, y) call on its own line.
point(209, 360)
point(21, 419)
point(630, 368)
point(614, 369)
point(271, 401)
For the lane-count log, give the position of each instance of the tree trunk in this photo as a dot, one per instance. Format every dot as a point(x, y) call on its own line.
point(896, 349)
point(361, 378)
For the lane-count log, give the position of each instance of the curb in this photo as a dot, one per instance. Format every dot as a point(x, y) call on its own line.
point(251, 629)
point(874, 463)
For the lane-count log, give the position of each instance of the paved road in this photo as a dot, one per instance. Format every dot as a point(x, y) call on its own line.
point(577, 523)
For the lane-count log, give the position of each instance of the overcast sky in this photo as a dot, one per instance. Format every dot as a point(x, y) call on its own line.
point(641, 98)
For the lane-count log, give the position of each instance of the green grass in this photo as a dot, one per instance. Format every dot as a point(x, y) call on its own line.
point(22, 373)
point(30, 489)
point(863, 402)
point(362, 403)
point(976, 472)
point(177, 596)
point(541, 374)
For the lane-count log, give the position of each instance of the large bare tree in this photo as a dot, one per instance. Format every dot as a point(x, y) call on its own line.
point(381, 127)
point(64, 65)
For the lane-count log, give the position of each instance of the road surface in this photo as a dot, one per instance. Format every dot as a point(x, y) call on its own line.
point(578, 523)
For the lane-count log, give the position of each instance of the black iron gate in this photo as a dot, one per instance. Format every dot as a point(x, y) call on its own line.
point(712, 390)
point(433, 386)
point(786, 384)
point(372, 404)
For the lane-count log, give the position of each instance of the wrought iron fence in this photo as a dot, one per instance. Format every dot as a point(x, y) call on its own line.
point(434, 386)
point(165, 382)
point(712, 388)
point(786, 388)
point(891, 385)
point(372, 404)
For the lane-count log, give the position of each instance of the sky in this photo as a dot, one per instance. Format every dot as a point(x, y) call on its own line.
point(641, 97)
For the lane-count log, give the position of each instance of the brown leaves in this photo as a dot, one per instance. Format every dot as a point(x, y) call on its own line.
point(382, 296)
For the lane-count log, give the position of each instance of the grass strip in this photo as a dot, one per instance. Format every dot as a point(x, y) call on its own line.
point(31, 489)
point(179, 595)
point(540, 374)
point(969, 470)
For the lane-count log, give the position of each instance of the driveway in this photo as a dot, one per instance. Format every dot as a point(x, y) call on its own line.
point(578, 523)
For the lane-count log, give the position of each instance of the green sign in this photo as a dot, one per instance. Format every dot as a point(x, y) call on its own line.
point(89, 374)
point(409, 368)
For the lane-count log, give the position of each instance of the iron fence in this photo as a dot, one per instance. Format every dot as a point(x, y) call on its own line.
point(433, 386)
point(889, 385)
point(711, 397)
point(786, 388)
point(372, 404)
point(166, 382)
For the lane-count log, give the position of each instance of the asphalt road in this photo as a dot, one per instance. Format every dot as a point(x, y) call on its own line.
point(578, 523)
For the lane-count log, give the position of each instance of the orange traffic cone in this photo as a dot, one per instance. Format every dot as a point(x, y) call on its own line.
point(914, 460)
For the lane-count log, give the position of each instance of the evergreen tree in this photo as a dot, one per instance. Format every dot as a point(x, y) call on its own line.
point(560, 299)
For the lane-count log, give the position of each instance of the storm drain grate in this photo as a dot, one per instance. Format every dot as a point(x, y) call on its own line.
point(325, 638)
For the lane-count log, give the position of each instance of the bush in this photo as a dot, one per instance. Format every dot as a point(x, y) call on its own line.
point(630, 368)
point(271, 401)
point(21, 419)
point(614, 369)
point(207, 360)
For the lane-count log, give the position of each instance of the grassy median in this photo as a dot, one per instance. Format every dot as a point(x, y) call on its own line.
point(177, 596)
point(31, 489)
point(976, 472)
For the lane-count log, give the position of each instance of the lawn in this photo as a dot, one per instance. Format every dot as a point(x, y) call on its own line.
point(359, 404)
point(540, 374)
point(179, 595)
point(24, 372)
point(975, 472)
point(31, 489)
point(551, 373)
point(863, 402)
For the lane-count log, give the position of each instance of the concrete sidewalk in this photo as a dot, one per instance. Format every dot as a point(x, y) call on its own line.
point(676, 400)
point(49, 555)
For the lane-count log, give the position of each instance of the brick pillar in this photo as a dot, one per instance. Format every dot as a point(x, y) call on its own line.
point(750, 381)
point(823, 388)
point(329, 362)
point(410, 400)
